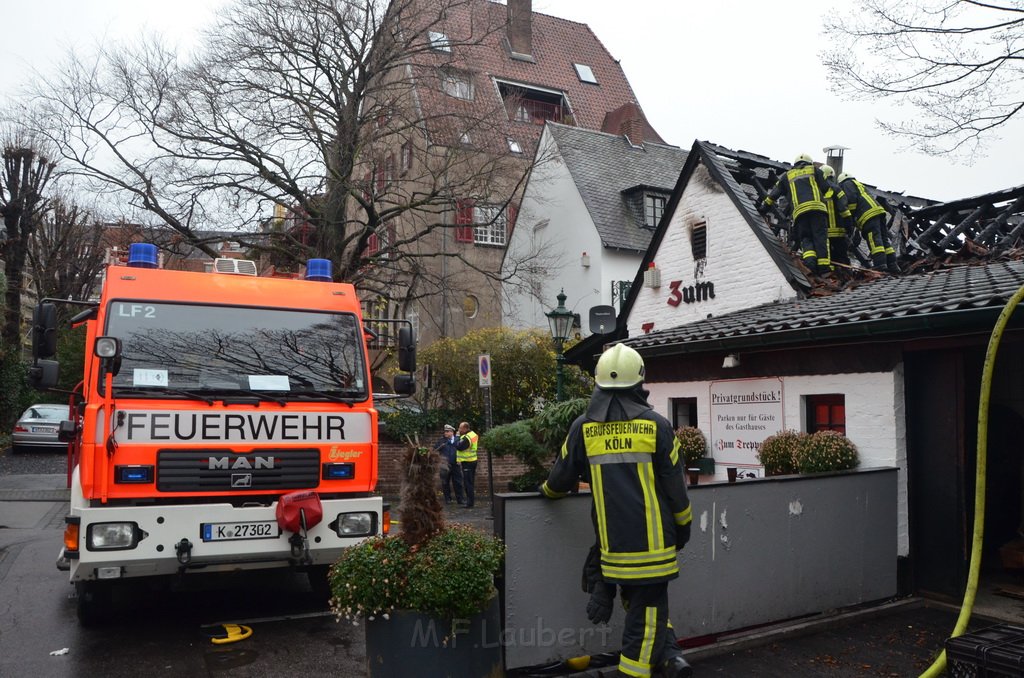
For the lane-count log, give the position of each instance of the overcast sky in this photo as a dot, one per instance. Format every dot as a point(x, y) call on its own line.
point(707, 70)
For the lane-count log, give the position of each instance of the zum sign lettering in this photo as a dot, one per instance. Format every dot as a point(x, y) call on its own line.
point(702, 291)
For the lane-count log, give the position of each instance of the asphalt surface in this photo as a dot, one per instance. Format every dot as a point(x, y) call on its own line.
point(157, 631)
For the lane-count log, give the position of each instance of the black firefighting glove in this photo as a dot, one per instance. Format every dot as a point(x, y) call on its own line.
point(682, 535)
point(599, 607)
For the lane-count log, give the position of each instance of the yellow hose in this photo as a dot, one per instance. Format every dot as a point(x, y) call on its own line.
point(939, 666)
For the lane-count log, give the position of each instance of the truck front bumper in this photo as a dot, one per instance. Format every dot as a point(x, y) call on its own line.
point(179, 538)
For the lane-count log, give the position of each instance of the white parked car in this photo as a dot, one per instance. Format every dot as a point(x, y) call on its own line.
point(38, 427)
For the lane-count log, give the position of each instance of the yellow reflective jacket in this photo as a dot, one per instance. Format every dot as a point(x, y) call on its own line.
point(636, 480)
point(806, 188)
point(862, 204)
point(465, 449)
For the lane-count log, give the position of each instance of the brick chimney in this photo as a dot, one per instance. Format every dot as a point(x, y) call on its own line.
point(520, 26)
point(626, 120)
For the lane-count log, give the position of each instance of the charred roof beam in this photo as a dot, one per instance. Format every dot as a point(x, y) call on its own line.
point(951, 238)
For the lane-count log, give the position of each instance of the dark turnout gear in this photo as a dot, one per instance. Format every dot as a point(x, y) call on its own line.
point(869, 218)
point(629, 463)
point(807, 191)
point(840, 224)
point(630, 456)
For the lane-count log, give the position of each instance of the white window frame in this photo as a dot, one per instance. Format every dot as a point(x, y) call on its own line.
point(585, 73)
point(491, 225)
point(439, 42)
point(458, 84)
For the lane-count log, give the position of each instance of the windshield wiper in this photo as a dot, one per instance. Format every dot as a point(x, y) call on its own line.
point(331, 395)
point(163, 390)
point(224, 393)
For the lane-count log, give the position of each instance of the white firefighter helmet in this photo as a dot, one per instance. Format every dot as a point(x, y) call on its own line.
point(803, 158)
point(619, 367)
point(828, 171)
point(844, 176)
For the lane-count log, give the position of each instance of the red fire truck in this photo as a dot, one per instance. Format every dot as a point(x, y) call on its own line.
point(225, 421)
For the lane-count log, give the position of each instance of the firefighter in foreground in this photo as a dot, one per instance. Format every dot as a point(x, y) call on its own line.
point(630, 456)
point(805, 187)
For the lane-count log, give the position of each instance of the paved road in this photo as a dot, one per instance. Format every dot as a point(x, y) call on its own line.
point(156, 632)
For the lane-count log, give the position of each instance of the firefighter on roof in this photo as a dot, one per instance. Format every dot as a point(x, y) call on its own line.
point(870, 219)
point(806, 189)
point(840, 221)
point(630, 456)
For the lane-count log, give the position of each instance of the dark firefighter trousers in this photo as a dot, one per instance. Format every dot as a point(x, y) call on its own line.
point(812, 231)
point(648, 638)
point(883, 255)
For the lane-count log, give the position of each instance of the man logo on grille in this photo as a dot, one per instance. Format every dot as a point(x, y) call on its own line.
point(241, 480)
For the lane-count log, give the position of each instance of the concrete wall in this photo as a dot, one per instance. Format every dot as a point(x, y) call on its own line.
point(737, 263)
point(761, 551)
point(875, 419)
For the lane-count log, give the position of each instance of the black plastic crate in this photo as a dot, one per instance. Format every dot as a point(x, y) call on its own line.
point(994, 651)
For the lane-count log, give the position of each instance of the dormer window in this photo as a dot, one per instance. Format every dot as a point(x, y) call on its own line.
point(654, 207)
point(585, 73)
point(439, 42)
point(533, 105)
point(514, 146)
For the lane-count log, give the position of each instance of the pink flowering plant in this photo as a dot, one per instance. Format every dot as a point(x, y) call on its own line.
point(826, 451)
point(778, 452)
point(450, 576)
point(692, 444)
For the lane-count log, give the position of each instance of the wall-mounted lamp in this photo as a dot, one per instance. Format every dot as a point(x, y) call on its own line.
point(585, 260)
point(731, 360)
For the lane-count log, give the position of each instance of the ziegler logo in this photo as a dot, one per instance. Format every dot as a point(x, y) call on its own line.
point(226, 464)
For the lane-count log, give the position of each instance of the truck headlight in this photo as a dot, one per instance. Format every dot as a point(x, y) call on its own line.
point(112, 536)
point(361, 524)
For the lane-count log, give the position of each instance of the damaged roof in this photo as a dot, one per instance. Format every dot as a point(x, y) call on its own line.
point(990, 224)
point(612, 174)
point(888, 306)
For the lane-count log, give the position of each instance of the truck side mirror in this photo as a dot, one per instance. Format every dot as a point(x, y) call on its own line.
point(44, 330)
point(406, 350)
point(43, 374)
point(405, 384)
point(108, 350)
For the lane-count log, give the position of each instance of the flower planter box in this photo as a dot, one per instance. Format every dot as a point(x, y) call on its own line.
point(411, 643)
point(706, 466)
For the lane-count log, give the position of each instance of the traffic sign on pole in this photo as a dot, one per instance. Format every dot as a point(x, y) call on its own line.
point(484, 369)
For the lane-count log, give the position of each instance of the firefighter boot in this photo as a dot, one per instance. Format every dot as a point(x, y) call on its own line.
point(674, 667)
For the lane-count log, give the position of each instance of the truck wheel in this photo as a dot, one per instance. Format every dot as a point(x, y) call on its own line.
point(94, 601)
point(320, 583)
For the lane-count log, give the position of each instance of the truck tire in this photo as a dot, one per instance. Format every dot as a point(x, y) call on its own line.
point(94, 602)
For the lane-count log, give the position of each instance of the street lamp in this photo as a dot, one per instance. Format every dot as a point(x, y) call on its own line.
point(560, 320)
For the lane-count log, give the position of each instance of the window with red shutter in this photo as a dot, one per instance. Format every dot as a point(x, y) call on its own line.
point(826, 412)
point(464, 220)
point(373, 244)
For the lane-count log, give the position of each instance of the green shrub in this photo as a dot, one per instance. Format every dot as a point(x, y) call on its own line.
point(514, 440)
point(778, 453)
point(826, 451)
point(401, 422)
point(692, 444)
point(551, 425)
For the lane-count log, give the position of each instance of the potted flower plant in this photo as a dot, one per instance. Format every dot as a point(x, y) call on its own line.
point(825, 451)
point(694, 447)
point(778, 453)
point(427, 594)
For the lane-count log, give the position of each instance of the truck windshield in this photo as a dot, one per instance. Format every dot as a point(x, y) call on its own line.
point(221, 349)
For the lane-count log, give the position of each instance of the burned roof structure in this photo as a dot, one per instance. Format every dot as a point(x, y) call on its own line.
point(961, 259)
point(989, 225)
